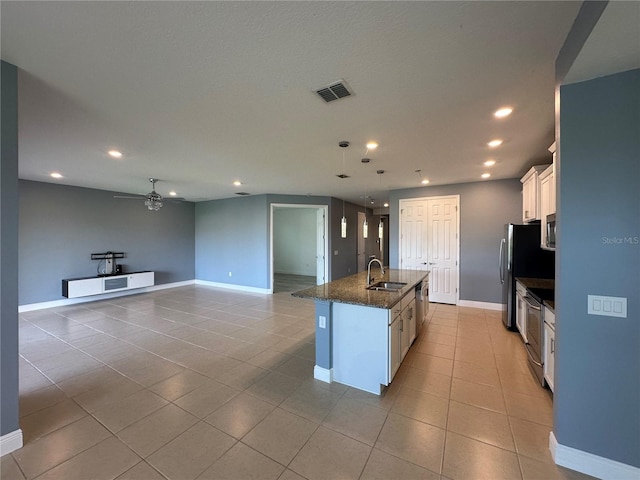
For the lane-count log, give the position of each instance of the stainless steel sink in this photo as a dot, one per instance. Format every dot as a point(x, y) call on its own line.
point(387, 286)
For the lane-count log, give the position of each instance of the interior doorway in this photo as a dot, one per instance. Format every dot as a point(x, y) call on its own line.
point(299, 246)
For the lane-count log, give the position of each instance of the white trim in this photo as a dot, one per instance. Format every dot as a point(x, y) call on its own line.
point(232, 286)
point(102, 296)
point(591, 464)
point(323, 374)
point(485, 305)
point(10, 442)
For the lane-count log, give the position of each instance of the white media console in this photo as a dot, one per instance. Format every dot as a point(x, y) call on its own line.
point(83, 287)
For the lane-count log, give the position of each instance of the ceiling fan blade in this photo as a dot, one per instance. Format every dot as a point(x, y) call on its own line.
point(130, 196)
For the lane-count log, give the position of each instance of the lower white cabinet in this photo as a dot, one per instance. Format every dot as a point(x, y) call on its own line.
point(549, 346)
point(395, 347)
point(83, 287)
point(521, 310)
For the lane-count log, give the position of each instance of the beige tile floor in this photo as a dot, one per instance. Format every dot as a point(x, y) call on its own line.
point(204, 383)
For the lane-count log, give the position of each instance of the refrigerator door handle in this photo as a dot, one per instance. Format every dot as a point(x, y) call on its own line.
point(501, 260)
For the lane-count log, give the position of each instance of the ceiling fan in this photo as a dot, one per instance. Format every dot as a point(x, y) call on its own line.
point(152, 200)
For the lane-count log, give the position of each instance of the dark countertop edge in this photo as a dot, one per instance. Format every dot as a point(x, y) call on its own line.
point(351, 290)
point(550, 304)
point(548, 283)
point(123, 274)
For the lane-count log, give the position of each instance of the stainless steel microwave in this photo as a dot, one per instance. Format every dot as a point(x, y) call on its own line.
point(551, 231)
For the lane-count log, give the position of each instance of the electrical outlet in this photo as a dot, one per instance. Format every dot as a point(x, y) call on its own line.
point(322, 321)
point(335, 252)
point(607, 306)
point(229, 273)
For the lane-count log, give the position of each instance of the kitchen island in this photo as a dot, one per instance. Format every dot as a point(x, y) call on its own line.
point(362, 335)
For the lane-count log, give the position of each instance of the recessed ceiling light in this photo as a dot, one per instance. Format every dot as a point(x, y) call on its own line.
point(172, 193)
point(503, 112)
point(485, 175)
point(425, 181)
point(372, 145)
point(237, 183)
point(386, 204)
point(115, 153)
point(56, 175)
point(489, 163)
point(495, 143)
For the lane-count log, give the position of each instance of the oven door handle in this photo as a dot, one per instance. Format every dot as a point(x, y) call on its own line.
point(526, 346)
point(531, 305)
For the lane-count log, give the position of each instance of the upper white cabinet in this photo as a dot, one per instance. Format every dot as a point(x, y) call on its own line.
point(531, 194)
point(547, 195)
point(547, 200)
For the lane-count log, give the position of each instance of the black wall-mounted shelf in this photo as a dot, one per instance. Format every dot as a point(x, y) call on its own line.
point(106, 255)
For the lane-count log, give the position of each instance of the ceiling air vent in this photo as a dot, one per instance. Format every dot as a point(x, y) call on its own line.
point(242, 194)
point(335, 91)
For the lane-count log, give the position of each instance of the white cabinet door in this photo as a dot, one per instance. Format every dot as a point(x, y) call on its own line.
point(521, 310)
point(549, 348)
point(142, 279)
point(85, 287)
point(547, 201)
point(394, 344)
point(529, 193)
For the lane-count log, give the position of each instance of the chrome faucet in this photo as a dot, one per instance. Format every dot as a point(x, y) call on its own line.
point(369, 279)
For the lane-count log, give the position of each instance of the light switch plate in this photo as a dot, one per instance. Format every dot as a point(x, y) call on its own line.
point(322, 321)
point(607, 306)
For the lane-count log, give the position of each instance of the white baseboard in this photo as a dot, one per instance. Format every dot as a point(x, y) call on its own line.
point(323, 374)
point(103, 296)
point(485, 305)
point(589, 463)
point(10, 442)
point(232, 286)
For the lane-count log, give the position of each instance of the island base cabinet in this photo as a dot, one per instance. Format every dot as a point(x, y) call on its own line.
point(360, 342)
point(395, 346)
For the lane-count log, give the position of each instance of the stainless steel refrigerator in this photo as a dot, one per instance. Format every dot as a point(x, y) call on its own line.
point(521, 256)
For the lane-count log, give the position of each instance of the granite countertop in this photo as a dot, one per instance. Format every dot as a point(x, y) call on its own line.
point(352, 289)
point(548, 283)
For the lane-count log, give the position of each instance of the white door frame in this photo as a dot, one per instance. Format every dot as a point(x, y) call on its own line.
point(325, 210)
point(457, 197)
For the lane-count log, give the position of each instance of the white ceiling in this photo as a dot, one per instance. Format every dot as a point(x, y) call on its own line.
point(199, 94)
point(613, 46)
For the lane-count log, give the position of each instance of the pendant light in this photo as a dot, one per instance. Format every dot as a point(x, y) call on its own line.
point(380, 224)
point(365, 225)
point(343, 221)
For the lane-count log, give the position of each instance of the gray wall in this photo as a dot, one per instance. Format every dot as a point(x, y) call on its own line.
point(60, 226)
point(484, 209)
point(346, 261)
point(295, 241)
point(9, 250)
point(232, 235)
point(597, 399)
